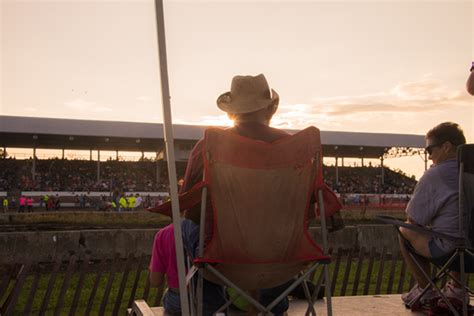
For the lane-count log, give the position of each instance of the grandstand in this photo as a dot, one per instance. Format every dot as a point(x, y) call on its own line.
point(150, 175)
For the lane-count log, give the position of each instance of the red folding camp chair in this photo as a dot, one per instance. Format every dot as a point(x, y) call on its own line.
point(261, 196)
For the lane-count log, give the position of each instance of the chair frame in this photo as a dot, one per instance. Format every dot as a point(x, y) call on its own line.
point(265, 310)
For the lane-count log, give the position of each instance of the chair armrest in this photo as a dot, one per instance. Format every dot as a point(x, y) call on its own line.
point(186, 201)
point(399, 223)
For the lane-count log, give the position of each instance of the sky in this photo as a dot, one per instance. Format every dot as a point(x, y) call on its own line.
point(364, 66)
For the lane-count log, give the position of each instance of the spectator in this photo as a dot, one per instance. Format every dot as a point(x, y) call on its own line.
point(163, 264)
point(435, 204)
point(22, 204)
point(46, 202)
point(5, 204)
point(57, 203)
point(122, 203)
point(138, 201)
point(13, 203)
point(29, 202)
point(251, 104)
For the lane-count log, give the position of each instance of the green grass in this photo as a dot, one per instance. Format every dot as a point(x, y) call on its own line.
point(90, 279)
point(373, 278)
point(85, 293)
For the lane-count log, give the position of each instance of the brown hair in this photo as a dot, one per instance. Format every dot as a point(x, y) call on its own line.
point(447, 132)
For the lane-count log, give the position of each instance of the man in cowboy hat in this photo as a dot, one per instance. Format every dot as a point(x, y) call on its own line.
point(251, 104)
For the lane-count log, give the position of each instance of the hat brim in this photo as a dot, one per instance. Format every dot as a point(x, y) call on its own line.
point(226, 104)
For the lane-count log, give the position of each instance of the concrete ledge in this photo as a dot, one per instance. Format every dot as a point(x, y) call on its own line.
point(368, 236)
point(43, 246)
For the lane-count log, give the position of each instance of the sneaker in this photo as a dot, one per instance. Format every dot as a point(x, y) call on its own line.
point(453, 293)
point(415, 292)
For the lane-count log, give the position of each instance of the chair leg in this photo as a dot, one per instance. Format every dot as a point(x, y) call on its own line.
point(463, 283)
point(309, 298)
point(199, 294)
point(451, 307)
point(327, 289)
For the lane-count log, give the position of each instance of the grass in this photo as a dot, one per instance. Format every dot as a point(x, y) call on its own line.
point(85, 294)
point(97, 301)
point(373, 278)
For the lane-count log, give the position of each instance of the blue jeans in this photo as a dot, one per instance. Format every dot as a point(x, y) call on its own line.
point(172, 303)
point(213, 294)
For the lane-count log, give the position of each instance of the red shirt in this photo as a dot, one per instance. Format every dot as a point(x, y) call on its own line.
point(194, 169)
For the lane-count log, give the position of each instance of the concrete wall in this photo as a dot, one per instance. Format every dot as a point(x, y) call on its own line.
point(43, 246)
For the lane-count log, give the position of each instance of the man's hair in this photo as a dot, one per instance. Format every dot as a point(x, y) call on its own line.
point(447, 132)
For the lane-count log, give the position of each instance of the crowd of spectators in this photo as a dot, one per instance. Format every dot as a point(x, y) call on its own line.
point(81, 175)
point(368, 180)
point(140, 176)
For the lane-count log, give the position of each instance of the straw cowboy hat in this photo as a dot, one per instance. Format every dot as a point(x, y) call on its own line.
point(247, 94)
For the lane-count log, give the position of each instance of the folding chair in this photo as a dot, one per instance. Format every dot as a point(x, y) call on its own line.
point(261, 195)
point(461, 259)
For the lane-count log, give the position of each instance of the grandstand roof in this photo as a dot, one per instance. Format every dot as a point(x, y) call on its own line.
point(52, 133)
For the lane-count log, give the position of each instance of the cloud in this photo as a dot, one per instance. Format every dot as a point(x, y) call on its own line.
point(82, 106)
point(424, 96)
point(412, 103)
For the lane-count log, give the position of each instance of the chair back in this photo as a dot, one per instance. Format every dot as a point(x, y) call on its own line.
point(466, 192)
point(261, 194)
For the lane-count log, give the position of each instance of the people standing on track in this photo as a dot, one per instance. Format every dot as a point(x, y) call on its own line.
point(22, 204)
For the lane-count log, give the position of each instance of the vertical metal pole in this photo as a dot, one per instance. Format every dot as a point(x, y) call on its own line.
point(168, 133)
point(33, 166)
point(383, 170)
point(337, 171)
point(98, 165)
point(463, 234)
point(322, 214)
point(63, 154)
point(158, 170)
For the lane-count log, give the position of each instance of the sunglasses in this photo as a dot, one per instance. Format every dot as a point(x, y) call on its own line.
point(429, 149)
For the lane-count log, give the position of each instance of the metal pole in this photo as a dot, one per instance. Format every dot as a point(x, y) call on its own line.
point(98, 165)
point(33, 166)
point(382, 170)
point(322, 215)
point(168, 133)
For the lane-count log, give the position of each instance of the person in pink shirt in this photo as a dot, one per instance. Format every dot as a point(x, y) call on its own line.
point(29, 203)
point(163, 263)
point(22, 203)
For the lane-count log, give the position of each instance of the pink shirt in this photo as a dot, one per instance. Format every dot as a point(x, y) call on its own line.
point(163, 256)
point(23, 201)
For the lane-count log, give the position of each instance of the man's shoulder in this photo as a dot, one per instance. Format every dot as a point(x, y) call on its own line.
point(446, 167)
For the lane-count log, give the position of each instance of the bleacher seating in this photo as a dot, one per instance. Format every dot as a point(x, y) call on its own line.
point(81, 175)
